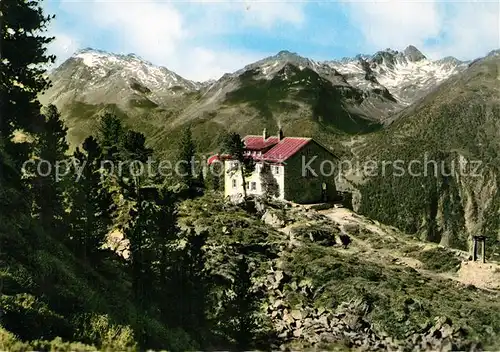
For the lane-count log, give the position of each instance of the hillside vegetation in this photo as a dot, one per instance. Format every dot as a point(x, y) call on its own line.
point(192, 271)
point(457, 126)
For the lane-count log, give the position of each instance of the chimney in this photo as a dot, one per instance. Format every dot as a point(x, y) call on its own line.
point(264, 134)
point(280, 134)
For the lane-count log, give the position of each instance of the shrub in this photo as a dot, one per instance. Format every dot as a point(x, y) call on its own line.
point(439, 259)
point(31, 319)
point(101, 331)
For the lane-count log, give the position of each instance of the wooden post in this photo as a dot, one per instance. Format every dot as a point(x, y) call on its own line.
point(474, 249)
point(483, 250)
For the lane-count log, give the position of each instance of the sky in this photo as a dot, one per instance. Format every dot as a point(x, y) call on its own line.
point(204, 39)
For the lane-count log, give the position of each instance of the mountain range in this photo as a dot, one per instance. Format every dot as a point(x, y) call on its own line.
point(389, 105)
point(352, 95)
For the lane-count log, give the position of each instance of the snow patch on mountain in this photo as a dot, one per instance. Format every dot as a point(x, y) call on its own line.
point(408, 75)
point(153, 77)
point(95, 77)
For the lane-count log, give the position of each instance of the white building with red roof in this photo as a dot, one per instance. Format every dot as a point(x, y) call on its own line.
point(301, 169)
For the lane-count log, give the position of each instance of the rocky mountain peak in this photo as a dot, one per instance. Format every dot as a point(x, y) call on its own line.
point(269, 66)
point(94, 76)
point(88, 50)
point(413, 54)
point(287, 54)
point(494, 53)
point(289, 57)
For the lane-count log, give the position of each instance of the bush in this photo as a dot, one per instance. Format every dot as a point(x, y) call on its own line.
point(31, 319)
point(439, 260)
point(9, 342)
point(100, 330)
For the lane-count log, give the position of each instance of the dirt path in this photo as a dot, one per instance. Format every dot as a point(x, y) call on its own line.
point(484, 276)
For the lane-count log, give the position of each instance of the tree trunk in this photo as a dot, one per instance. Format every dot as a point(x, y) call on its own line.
point(244, 182)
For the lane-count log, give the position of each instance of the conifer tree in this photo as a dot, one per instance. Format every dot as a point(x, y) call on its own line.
point(189, 284)
point(245, 304)
point(133, 154)
point(22, 60)
point(110, 135)
point(268, 181)
point(90, 203)
point(22, 67)
point(49, 187)
point(213, 177)
point(234, 146)
point(200, 179)
point(187, 153)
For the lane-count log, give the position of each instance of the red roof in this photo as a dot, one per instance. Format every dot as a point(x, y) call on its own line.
point(218, 157)
point(258, 143)
point(279, 151)
point(286, 148)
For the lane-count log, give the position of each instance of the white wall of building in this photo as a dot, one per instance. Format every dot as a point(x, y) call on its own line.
point(233, 182)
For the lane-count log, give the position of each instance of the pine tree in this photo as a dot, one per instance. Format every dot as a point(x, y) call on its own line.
point(22, 57)
point(133, 154)
point(245, 304)
point(213, 178)
point(189, 283)
point(22, 65)
point(187, 153)
point(140, 231)
point(48, 190)
point(110, 135)
point(200, 181)
point(90, 203)
point(268, 181)
point(22, 60)
point(134, 147)
point(234, 146)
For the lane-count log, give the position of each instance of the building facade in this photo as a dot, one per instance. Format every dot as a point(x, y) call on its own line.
point(299, 169)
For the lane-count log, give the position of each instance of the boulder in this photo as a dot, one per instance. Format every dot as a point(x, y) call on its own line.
point(296, 314)
point(272, 219)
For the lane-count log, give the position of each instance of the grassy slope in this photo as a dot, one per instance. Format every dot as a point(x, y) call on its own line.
point(329, 104)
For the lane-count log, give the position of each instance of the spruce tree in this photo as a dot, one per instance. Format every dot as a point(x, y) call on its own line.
point(23, 61)
point(268, 181)
point(234, 146)
point(110, 135)
point(90, 203)
point(187, 153)
point(214, 179)
point(48, 189)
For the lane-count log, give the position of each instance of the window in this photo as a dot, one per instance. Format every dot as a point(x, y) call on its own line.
point(276, 170)
point(253, 186)
point(248, 184)
point(234, 183)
